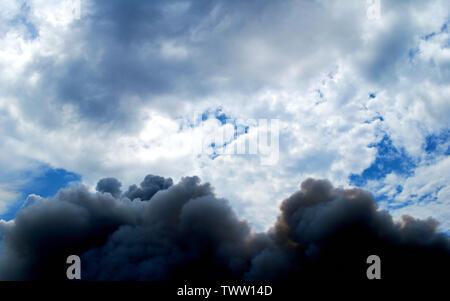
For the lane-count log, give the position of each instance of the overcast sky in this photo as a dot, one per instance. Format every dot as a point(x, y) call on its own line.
point(362, 97)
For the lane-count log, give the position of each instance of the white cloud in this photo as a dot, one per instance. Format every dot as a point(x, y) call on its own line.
point(6, 198)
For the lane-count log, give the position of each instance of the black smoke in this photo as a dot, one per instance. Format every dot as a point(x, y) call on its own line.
point(185, 232)
point(148, 187)
point(111, 185)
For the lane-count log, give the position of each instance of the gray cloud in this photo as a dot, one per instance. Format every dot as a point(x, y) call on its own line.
point(185, 232)
point(111, 185)
point(123, 56)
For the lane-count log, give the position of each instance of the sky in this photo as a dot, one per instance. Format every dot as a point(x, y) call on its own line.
point(94, 89)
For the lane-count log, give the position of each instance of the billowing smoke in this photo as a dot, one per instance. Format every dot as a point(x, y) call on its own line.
point(111, 185)
point(161, 231)
point(151, 185)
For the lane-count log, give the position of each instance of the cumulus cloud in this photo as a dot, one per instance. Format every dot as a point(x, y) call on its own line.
point(185, 232)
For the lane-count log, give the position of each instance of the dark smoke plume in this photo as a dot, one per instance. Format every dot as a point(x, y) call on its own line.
point(161, 231)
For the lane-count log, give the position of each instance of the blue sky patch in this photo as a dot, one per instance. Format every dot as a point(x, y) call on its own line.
point(32, 31)
point(239, 129)
point(389, 159)
point(45, 181)
point(49, 181)
point(438, 144)
point(217, 114)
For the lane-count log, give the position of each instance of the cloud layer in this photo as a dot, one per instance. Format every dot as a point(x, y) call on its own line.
point(185, 232)
point(101, 94)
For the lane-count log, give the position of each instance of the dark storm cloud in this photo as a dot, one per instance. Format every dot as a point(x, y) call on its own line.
point(185, 232)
